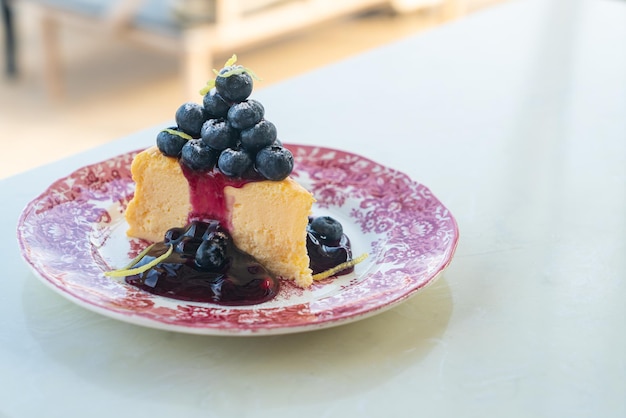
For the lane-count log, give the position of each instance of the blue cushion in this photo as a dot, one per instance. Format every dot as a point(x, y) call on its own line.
point(156, 15)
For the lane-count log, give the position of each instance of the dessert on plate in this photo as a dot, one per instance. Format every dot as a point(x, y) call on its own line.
point(216, 198)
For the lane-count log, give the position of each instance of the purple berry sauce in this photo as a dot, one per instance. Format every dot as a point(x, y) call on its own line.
point(241, 281)
point(206, 190)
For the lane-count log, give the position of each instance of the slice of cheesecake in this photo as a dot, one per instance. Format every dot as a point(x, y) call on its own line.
point(266, 219)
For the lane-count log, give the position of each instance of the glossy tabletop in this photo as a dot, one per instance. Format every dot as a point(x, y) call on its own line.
point(515, 118)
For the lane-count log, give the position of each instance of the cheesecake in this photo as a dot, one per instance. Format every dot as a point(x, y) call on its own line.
point(266, 218)
point(222, 163)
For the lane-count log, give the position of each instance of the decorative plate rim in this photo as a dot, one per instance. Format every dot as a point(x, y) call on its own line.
point(330, 173)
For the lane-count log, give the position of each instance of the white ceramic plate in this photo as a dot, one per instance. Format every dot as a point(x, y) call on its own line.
point(75, 231)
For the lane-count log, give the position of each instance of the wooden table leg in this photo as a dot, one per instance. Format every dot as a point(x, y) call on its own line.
point(197, 62)
point(51, 54)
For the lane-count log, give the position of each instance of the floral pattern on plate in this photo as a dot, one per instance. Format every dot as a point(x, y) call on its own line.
point(75, 231)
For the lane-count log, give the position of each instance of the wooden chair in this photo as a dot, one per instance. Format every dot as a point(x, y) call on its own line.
point(234, 25)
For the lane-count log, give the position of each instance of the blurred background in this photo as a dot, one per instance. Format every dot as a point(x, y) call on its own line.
point(91, 71)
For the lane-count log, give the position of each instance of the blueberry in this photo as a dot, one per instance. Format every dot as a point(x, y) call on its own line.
point(327, 228)
point(234, 162)
point(235, 87)
point(173, 235)
point(274, 162)
point(169, 143)
point(196, 229)
point(202, 229)
point(259, 136)
point(211, 254)
point(198, 156)
point(215, 105)
point(188, 246)
point(245, 114)
point(190, 117)
point(218, 134)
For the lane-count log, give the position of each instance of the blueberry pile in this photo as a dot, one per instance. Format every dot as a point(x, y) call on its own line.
point(228, 131)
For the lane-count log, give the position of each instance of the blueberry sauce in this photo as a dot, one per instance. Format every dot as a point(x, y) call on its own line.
point(237, 279)
point(206, 190)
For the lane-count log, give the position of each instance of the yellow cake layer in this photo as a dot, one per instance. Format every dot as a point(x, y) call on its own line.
point(162, 198)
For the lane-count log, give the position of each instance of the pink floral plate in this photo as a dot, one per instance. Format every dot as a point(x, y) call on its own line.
point(75, 231)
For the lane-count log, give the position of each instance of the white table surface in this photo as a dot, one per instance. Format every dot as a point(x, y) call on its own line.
point(515, 117)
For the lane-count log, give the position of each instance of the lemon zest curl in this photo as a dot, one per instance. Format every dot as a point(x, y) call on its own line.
point(128, 271)
point(240, 70)
point(178, 133)
point(331, 272)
